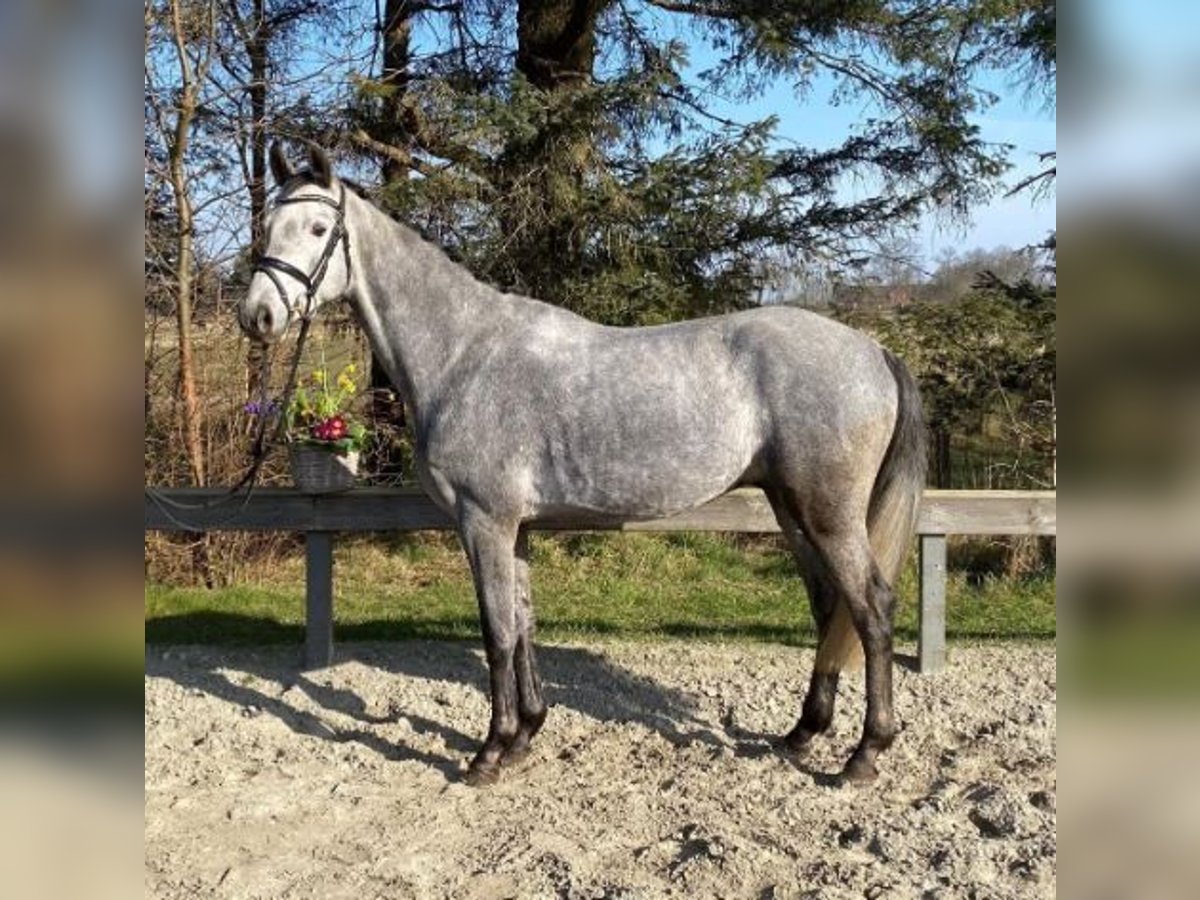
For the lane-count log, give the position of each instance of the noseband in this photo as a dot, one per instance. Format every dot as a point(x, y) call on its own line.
point(270, 265)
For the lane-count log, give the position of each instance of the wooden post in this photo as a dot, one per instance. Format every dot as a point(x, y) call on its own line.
point(318, 599)
point(931, 645)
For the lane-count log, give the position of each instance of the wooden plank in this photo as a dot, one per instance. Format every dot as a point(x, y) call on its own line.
point(285, 509)
point(409, 509)
point(931, 641)
point(745, 510)
point(318, 599)
point(988, 512)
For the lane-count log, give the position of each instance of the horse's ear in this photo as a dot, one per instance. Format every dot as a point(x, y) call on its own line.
point(318, 162)
point(280, 167)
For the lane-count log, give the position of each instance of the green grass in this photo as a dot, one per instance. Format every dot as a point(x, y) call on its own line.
point(585, 586)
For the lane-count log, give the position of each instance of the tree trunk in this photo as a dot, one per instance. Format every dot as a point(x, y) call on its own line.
point(184, 276)
point(556, 53)
point(556, 41)
point(397, 32)
point(386, 457)
point(257, 51)
point(185, 114)
point(939, 438)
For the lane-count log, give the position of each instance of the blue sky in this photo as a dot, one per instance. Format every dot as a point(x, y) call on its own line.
point(1023, 122)
point(1016, 118)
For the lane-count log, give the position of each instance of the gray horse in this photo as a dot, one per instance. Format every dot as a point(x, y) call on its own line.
point(522, 411)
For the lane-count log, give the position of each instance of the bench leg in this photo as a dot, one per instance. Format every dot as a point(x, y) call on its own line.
point(931, 646)
point(318, 598)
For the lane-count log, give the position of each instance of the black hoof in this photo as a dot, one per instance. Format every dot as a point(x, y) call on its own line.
point(859, 771)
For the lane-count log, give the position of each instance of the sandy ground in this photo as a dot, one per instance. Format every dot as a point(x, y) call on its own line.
point(653, 778)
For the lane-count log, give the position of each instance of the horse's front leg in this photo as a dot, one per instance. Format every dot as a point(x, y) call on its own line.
point(489, 545)
point(531, 707)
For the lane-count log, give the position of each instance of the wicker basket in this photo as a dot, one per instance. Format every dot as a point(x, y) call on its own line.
point(319, 471)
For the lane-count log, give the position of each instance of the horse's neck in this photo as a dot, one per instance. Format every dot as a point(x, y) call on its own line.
point(421, 312)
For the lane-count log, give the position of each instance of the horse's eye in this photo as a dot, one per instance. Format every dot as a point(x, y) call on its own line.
point(319, 229)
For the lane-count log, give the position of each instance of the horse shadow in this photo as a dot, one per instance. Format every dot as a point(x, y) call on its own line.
point(574, 678)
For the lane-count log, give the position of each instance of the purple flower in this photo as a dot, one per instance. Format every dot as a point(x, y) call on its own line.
point(255, 408)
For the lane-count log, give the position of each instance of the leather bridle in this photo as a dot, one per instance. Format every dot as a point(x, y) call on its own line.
point(270, 265)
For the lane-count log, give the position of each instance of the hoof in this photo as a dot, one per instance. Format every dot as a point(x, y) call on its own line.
point(859, 771)
point(482, 776)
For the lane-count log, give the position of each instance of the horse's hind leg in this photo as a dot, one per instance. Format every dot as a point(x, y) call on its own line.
point(817, 712)
point(858, 584)
point(531, 708)
point(489, 546)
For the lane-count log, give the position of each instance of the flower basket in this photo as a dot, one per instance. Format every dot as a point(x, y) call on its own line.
point(324, 435)
point(321, 470)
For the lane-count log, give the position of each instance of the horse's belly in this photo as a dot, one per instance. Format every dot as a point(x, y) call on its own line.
point(645, 474)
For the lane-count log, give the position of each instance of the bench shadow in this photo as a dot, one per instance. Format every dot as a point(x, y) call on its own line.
point(573, 677)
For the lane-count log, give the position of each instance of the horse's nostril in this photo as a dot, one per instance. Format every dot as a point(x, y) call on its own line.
point(264, 320)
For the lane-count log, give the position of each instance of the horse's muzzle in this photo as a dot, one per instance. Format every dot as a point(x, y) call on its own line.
point(262, 319)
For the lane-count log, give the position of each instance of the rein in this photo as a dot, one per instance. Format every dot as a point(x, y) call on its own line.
point(269, 266)
point(258, 450)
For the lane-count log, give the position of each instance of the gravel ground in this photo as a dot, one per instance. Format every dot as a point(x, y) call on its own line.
point(653, 777)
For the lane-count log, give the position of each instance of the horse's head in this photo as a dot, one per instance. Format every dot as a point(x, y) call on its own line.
point(307, 249)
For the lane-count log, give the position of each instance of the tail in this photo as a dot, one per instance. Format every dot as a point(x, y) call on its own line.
point(896, 497)
point(892, 514)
